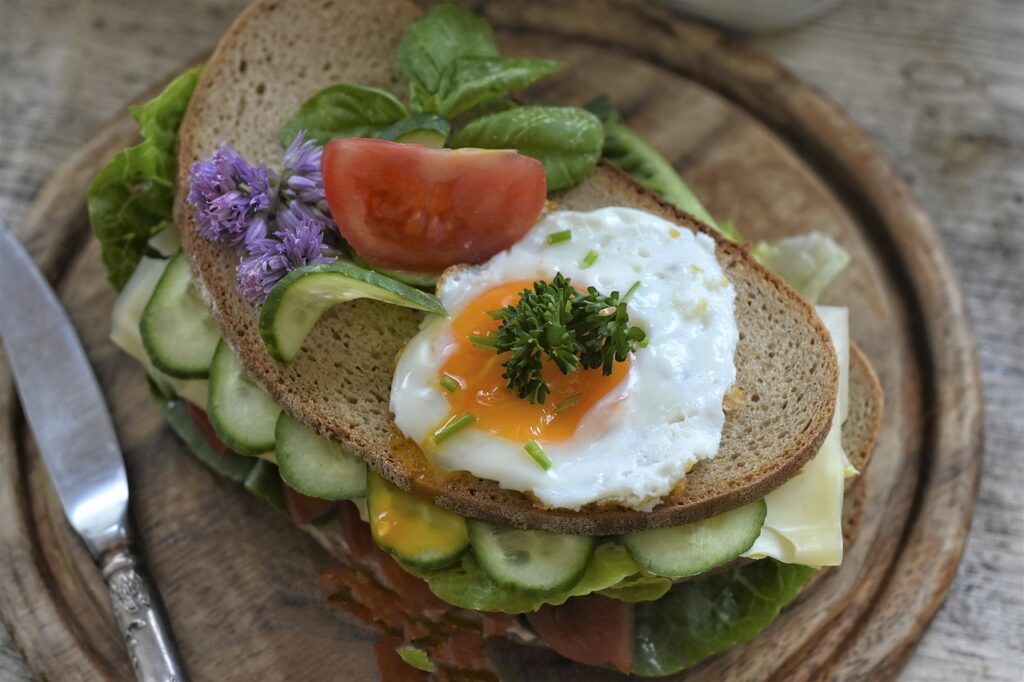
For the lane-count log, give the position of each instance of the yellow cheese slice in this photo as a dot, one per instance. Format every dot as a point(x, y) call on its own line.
point(804, 524)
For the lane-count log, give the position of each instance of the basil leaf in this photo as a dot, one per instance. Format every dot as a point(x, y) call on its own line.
point(633, 155)
point(435, 41)
point(131, 199)
point(470, 81)
point(344, 110)
point(567, 140)
point(703, 617)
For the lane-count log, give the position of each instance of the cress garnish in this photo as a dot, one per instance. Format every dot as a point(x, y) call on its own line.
point(558, 323)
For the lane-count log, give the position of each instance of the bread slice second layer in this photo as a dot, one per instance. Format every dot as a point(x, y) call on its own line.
point(339, 384)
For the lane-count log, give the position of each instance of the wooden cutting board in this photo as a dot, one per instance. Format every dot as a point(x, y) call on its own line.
point(762, 149)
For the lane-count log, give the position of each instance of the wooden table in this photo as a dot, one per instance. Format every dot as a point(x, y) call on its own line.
point(938, 83)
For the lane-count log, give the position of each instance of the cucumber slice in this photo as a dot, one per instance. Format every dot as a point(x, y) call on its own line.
point(413, 530)
point(694, 548)
point(177, 331)
point(420, 280)
point(428, 130)
point(316, 466)
point(297, 301)
point(242, 413)
point(530, 560)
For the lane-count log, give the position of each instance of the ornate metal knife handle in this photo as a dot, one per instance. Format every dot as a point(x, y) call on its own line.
point(140, 617)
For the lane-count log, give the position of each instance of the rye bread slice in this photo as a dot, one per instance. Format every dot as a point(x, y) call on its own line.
point(277, 54)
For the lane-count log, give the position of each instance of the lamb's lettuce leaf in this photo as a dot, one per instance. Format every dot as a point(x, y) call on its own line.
point(466, 585)
point(131, 199)
point(808, 262)
point(703, 617)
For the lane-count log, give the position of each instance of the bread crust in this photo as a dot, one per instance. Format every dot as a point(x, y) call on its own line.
point(340, 382)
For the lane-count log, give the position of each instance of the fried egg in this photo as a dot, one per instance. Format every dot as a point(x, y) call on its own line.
point(627, 438)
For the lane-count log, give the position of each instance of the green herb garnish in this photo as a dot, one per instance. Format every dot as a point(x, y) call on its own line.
point(590, 258)
point(448, 383)
point(559, 237)
point(567, 327)
point(453, 427)
point(568, 402)
point(539, 456)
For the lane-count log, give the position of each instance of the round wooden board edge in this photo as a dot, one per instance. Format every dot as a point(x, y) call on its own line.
point(880, 199)
point(883, 203)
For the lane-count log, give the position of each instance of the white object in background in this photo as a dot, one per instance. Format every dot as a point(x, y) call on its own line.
point(753, 15)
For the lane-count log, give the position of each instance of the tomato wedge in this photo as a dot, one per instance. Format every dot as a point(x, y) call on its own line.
point(408, 207)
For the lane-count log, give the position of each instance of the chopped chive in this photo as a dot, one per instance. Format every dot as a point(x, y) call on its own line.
point(567, 403)
point(453, 427)
point(538, 454)
point(632, 290)
point(482, 341)
point(590, 258)
point(448, 383)
point(558, 237)
point(496, 314)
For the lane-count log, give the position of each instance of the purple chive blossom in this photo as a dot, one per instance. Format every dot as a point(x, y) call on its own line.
point(302, 178)
point(281, 221)
point(232, 199)
point(272, 258)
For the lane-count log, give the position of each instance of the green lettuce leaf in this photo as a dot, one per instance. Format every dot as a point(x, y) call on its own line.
point(344, 110)
point(567, 140)
point(466, 585)
point(638, 587)
point(131, 199)
point(632, 153)
point(417, 658)
point(807, 262)
point(434, 41)
point(703, 617)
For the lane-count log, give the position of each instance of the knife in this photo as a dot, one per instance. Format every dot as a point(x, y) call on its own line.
point(73, 429)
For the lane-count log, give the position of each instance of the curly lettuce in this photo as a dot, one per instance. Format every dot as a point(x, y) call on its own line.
point(131, 199)
point(807, 262)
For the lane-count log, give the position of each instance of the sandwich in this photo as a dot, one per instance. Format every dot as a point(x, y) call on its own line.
point(493, 354)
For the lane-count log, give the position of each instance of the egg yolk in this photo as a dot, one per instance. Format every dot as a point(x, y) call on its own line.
point(483, 392)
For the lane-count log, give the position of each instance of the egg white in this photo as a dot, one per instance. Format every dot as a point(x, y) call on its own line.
point(638, 442)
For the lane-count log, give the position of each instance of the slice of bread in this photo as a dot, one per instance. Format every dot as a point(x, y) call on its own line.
point(280, 52)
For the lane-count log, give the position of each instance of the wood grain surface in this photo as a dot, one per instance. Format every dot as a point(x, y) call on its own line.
point(981, 637)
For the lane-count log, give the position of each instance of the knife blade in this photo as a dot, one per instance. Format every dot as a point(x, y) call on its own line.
point(65, 409)
point(62, 401)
